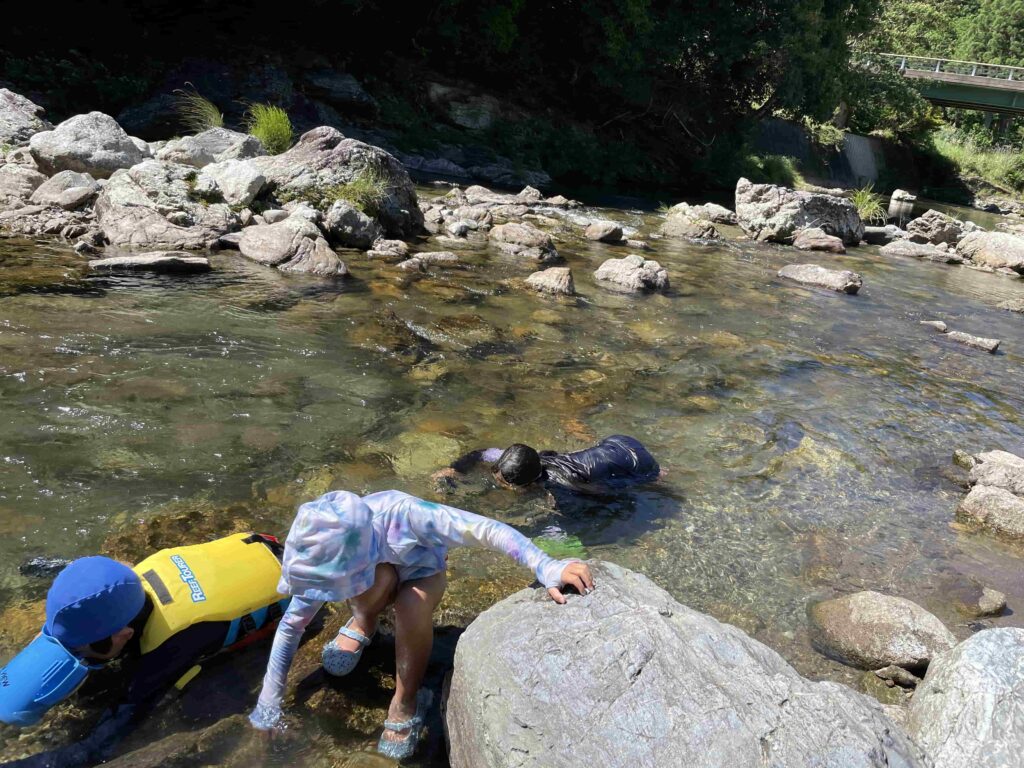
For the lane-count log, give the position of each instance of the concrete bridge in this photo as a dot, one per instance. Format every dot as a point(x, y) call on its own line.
point(964, 84)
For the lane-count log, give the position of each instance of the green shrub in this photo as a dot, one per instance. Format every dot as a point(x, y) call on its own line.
point(869, 205)
point(771, 169)
point(824, 135)
point(271, 125)
point(367, 192)
point(1001, 167)
point(196, 112)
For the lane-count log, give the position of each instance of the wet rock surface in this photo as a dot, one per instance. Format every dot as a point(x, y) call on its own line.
point(920, 251)
point(842, 281)
point(966, 713)
point(815, 239)
point(154, 261)
point(653, 683)
point(524, 240)
point(632, 273)
point(293, 245)
point(871, 630)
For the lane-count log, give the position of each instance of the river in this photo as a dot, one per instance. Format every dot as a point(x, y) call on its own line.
point(807, 435)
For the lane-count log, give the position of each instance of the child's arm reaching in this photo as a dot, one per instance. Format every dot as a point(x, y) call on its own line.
point(286, 642)
point(444, 525)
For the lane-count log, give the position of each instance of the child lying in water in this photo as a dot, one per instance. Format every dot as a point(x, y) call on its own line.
point(385, 548)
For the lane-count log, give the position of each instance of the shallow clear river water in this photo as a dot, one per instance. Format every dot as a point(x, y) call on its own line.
point(807, 435)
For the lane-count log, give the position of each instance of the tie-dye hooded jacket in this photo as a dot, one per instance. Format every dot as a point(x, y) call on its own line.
point(336, 543)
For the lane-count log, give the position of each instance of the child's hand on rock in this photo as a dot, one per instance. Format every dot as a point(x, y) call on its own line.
point(575, 575)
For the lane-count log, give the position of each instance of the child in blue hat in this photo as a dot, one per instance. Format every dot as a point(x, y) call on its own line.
point(382, 549)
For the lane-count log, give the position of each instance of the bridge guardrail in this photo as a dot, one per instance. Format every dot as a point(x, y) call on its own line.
point(952, 66)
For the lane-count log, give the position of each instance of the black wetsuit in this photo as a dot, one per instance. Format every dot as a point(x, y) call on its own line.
point(615, 463)
point(150, 675)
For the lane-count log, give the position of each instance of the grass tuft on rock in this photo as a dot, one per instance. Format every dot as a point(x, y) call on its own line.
point(367, 192)
point(869, 205)
point(196, 112)
point(271, 125)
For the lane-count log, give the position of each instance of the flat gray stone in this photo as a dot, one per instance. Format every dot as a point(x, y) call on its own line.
point(994, 509)
point(978, 342)
point(155, 261)
point(842, 281)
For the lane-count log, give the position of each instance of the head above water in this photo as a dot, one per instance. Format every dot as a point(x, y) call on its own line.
point(519, 465)
point(88, 609)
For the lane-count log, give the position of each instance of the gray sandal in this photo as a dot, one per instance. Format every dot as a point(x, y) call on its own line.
point(338, 662)
point(402, 748)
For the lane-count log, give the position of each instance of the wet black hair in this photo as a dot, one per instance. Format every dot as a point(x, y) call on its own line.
point(519, 465)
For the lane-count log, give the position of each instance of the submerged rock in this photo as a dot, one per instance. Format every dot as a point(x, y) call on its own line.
point(871, 630)
point(20, 119)
point(627, 677)
point(920, 251)
point(554, 280)
point(1012, 305)
point(936, 228)
point(815, 239)
point(843, 281)
point(69, 190)
point(323, 158)
point(997, 250)
point(967, 712)
point(293, 245)
point(995, 509)
point(977, 601)
point(214, 145)
point(92, 143)
point(768, 212)
point(521, 239)
point(633, 273)
point(155, 261)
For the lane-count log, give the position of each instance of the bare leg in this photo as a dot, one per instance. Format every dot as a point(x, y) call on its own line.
point(414, 638)
point(367, 606)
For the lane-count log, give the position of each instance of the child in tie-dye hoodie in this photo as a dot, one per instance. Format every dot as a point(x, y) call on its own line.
point(380, 549)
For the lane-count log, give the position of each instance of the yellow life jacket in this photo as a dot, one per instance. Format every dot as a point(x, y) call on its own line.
point(233, 579)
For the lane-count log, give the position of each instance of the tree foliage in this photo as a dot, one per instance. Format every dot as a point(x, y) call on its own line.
point(995, 33)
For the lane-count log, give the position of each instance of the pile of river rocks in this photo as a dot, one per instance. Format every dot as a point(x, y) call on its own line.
point(996, 499)
point(87, 181)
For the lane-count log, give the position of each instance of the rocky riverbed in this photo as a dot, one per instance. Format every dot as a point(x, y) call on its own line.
point(196, 337)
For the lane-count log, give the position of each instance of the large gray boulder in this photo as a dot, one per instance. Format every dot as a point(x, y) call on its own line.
point(214, 145)
point(840, 280)
point(235, 182)
point(871, 630)
point(348, 227)
point(522, 239)
point(627, 677)
point(293, 245)
point(92, 143)
point(632, 273)
point(603, 232)
point(69, 190)
point(997, 250)
point(936, 228)
point(17, 184)
point(768, 212)
point(967, 712)
point(153, 206)
point(20, 119)
point(323, 158)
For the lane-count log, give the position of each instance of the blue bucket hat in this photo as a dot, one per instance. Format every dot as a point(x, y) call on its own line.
point(91, 599)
